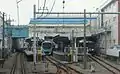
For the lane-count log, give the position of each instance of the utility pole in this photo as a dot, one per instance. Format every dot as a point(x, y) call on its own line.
point(38, 5)
point(105, 28)
point(85, 56)
point(9, 35)
point(34, 44)
point(3, 35)
point(90, 24)
point(72, 45)
point(63, 11)
point(105, 40)
point(105, 33)
point(18, 9)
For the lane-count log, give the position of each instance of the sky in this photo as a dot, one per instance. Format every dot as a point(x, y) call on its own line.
point(26, 7)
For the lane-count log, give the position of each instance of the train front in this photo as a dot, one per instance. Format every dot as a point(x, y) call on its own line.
point(47, 48)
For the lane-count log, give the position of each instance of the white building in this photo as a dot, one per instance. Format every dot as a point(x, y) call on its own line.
point(109, 30)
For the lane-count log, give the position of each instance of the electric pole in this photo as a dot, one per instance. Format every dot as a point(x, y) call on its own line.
point(72, 45)
point(3, 35)
point(85, 56)
point(34, 44)
point(18, 10)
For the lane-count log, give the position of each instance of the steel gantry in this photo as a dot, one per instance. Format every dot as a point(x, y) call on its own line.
point(77, 13)
point(84, 13)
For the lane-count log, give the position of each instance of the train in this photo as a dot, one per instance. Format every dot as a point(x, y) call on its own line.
point(61, 42)
point(91, 45)
point(47, 47)
point(113, 51)
point(18, 45)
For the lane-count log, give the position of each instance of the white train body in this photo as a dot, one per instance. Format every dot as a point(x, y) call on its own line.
point(114, 51)
point(47, 47)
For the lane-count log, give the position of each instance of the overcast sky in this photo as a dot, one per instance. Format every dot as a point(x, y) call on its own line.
point(26, 7)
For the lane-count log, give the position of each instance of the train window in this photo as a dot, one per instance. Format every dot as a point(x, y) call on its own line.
point(111, 47)
point(50, 27)
point(114, 18)
point(118, 47)
point(47, 45)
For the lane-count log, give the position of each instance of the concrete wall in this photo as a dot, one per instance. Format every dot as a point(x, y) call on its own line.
point(112, 22)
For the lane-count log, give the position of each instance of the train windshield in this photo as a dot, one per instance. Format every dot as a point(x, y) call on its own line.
point(47, 45)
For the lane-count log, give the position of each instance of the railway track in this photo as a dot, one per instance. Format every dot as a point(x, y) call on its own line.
point(18, 65)
point(62, 68)
point(106, 64)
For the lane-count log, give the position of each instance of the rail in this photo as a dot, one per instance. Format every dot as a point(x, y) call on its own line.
point(14, 64)
point(106, 65)
point(65, 67)
point(23, 71)
point(18, 62)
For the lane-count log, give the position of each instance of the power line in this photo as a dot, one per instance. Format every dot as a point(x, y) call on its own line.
point(43, 7)
point(51, 9)
point(48, 11)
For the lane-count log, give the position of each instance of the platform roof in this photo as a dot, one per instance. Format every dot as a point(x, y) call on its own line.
point(65, 20)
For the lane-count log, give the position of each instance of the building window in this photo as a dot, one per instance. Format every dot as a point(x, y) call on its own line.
point(114, 18)
point(113, 4)
point(114, 41)
point(110, 7)
point(105, 23)
point(50, 27)
point(109, 21)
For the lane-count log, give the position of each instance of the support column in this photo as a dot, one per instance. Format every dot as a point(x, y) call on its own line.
point(85, 56)
point(34, 44)
point(3, 36)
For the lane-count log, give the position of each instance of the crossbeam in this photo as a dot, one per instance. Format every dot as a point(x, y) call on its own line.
point(77, 13)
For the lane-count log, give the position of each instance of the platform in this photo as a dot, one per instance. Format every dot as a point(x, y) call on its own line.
point(64, 57)
point(28, 52)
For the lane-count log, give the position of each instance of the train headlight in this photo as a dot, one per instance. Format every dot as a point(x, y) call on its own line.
point(92, 49)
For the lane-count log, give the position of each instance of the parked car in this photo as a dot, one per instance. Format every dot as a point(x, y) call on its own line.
point(114, 51)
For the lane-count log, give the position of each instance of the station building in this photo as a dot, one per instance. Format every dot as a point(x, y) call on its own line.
point(52, 26)
point(106, 27)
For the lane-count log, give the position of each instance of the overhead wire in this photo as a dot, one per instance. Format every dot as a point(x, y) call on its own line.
point(50, 9)
point(43, 8)
point(44, 5)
